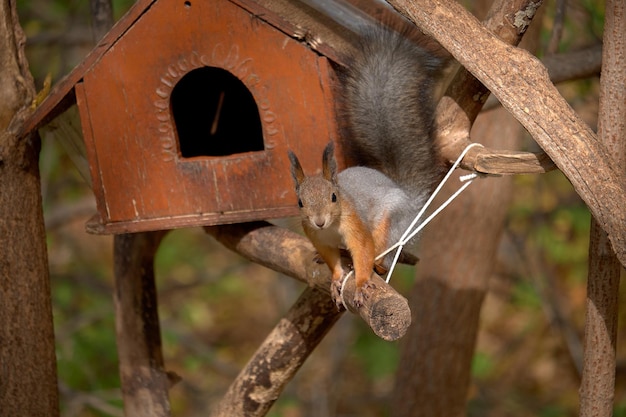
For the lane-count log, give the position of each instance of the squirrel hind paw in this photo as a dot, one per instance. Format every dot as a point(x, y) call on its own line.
point(361, 294)
point(359, 298)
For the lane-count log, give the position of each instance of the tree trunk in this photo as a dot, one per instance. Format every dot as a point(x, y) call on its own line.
point(456, 260)
point(28, 379)
point(598, 377)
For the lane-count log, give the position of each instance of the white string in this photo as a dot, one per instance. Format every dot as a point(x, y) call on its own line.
point(343, 285)
point(410, 231)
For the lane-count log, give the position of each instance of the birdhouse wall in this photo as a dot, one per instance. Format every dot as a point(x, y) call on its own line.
point(140, 178)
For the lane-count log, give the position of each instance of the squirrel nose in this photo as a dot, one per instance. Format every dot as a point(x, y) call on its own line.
point(319, 222)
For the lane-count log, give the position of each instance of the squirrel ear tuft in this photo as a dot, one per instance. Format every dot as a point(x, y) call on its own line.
point(329, 164)
point(296, 169)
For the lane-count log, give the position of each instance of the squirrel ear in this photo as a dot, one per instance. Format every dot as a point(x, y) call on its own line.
point(296, 169)
point(329, 165)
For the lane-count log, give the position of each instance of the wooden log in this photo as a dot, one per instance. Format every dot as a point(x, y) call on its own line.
point(384, 310)
point(143, 378)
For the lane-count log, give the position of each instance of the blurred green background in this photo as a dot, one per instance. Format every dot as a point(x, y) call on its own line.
point(215, 308)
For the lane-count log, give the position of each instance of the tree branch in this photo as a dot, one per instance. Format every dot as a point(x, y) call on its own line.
point(466, 96)
point(280, 356)
point(561, 133)
point(574, 65)
point(567, 66)
point(385, 311)
point(449, 294)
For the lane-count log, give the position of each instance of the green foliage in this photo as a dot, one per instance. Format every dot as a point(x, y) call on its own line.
point(620, 409)
point(120, 7)
point(482, 365)
point(525, 295)
point(377, 357)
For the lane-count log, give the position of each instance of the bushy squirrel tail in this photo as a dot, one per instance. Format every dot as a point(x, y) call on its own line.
point(388, 107)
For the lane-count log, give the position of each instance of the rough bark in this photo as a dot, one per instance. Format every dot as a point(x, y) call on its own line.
point(28, 379)
point(598, 377)
point(466, 96)
point(561, 133)
point(143, 377)
point(567, 66)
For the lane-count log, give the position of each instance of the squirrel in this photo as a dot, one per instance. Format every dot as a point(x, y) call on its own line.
point(387, 103)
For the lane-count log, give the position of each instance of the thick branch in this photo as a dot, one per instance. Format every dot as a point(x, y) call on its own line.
point(524, 88)
point(280, 356)
point(567, 66)
point(466, 96)
point(385, 311)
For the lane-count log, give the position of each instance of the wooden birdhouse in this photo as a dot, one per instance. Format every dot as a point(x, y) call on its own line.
point(188, 108)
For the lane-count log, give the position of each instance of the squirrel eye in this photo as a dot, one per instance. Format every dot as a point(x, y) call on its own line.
point(300, 203)
point(334, 198)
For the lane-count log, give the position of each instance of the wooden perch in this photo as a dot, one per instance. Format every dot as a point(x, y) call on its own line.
point(524, 88)
point(385, 311)
point(501, 162)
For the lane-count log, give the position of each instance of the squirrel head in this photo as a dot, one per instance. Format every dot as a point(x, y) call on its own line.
point(318, 195)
